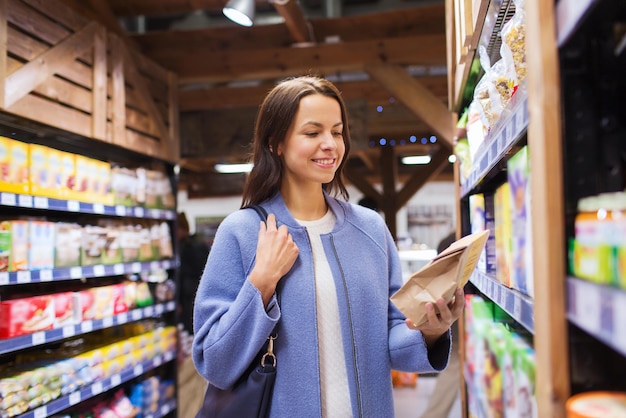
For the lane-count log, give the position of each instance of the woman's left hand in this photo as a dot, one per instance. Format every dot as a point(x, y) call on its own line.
point(440, 319)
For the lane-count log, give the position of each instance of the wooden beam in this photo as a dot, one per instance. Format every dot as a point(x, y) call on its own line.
point(299, 28)
point(26, 79)
point(153, 7)
point(219, 97)
point(416, 97)
point(99, 91)
point(195, 65)
point(389, 174)
point(118, 91)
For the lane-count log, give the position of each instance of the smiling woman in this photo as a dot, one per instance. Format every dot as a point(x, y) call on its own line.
point(320, 269)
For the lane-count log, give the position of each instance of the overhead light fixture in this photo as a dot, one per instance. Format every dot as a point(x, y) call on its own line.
point(233, 168)
point(240, 11)
point(416, 159)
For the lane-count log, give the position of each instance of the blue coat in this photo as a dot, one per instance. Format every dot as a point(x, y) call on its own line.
point(231, 323)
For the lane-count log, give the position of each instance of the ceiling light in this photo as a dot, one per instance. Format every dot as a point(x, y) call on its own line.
point(240, 11)
point(416, 159)
point(233, 168)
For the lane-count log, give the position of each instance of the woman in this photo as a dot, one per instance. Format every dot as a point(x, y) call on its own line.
point(322, 268)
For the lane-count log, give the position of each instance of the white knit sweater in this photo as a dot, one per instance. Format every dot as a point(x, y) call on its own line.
point(334, 379)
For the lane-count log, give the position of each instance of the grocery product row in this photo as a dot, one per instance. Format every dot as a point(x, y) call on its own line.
point(499, 363)
point(40, 383)
point(39, 170)
point(36, 244)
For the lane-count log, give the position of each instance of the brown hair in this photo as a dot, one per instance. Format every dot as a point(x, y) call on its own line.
point(273, 120)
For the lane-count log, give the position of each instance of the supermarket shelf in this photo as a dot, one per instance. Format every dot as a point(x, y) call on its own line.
point(48, 203)
point(44, 337)
point(569, 13)
point(516, 304)
point(104, 385)
point(512, 125)
point(599, 310)
point(82, 272)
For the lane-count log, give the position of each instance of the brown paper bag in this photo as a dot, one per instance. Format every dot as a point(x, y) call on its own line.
point(440, 278)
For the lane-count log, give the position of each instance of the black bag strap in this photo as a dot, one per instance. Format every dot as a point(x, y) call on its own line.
point(260, 210)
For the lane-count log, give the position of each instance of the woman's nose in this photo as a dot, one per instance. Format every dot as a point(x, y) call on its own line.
point(328, 141)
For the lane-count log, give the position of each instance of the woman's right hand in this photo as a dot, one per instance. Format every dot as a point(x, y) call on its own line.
point(275, 254)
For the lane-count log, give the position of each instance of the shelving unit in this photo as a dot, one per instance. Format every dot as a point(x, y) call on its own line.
point(577, 325)
point(80, 89)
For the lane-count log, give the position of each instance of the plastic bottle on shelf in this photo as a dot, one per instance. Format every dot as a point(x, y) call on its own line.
point(616, 205)
point(585, 259)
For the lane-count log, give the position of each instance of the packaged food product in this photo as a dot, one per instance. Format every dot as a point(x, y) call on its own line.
point(600, 404)
point(514, 40)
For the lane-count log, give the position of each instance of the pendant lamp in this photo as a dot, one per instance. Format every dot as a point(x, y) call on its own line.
point(240, 11)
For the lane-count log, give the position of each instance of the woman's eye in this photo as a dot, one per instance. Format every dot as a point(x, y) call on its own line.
point(311, 134)
point(339, 133)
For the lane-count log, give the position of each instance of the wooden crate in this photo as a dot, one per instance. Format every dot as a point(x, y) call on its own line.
point(64, 70)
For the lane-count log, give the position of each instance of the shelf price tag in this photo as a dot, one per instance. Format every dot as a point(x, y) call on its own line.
point(23, 276)
point(45, 275)
point(138, 370)
point(25, 201)
point(116, 380)
point(148, 311)
point(40, 202)
point(38, 338)
point(158, 360)
point(135, 267)
point(41, 412)
point(139, 212)
point(76, 272)
point(75, 398)
point(120, 210)
point(118, 269)
point(159, 309)
point(588, 301)
point(165, 408)
point(96, 388)
point(69, 331)
point(7, 199)
point(107, 322)
point(136, 314)
point(86, 326)
point(517, 308)
point(154, 265)
point(98, 270)
point(122, 318)
point(619, 320)
point(73, 206)
point(98, 208)
point(4, 278)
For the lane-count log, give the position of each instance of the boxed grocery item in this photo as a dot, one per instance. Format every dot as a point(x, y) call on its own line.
point(100, 182)
point(42, 172)
point(5, 245)
point(518, 174)
point(14, 176)
point(502, 224)
point(96, 302)
point(67, 244)
point(124, 184)
point(64, 312)
point(19, 245)
point(92, 244)
point(82, 182)
point(41, 245)
point(481, 219)
point(26, 315)
point(129, 241)
point(67, 183)
point(112, 253)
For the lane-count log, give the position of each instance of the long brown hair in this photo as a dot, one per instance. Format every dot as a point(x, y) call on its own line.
point(273, 120)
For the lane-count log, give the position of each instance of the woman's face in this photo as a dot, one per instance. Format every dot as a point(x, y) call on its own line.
point(313, 147)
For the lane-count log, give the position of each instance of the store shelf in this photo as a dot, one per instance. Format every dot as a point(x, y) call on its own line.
point(516, 304)
point(48, 203)
point(599, 310)
point(568, 14)
point(44, 337)
point(104, 385)
point(82, 272)
point(505, 134)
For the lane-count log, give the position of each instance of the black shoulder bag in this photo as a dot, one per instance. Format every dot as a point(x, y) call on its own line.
point(251, 395)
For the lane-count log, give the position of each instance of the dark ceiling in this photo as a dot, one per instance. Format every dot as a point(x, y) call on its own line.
point(388, 57)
